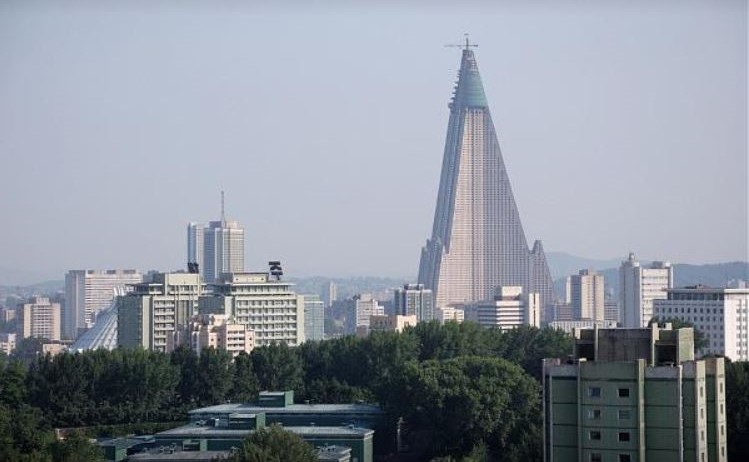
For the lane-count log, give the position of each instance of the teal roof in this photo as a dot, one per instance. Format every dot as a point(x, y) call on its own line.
point(469, 92)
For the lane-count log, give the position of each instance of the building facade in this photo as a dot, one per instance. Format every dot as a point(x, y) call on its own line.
point(219, 332)
point(156, 310)
point(477, 242)
point(450, 313)
point(721, 315)
point(631, 395)
point(638, 287)
point(366, 307)
point(89, 291)
point(314, 318)
point(414, 299)
point(267, 306)
point(391, 323)
point(586, 295)
point(509, 309)
point(39, 318)
point(195, 240)
point(223, 249)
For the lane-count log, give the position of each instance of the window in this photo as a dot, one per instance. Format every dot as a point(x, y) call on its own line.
point(624, 392)
point(594, 392)
point(624, 414)
point(594, 414)
point(623, 436)
point(595, 435)
point(595, 457)
point(625, 458)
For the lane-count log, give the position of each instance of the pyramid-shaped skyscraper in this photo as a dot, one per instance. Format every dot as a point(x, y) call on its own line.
point(477, 242)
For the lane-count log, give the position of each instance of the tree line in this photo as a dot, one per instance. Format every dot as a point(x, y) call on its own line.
point(460, 389)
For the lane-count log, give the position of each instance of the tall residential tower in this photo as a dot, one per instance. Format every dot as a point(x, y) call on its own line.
point(477, 242)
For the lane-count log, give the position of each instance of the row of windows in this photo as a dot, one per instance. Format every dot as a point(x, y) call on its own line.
point(622, 414)
point(595, 392)
point(598, 457)
point(595, 435)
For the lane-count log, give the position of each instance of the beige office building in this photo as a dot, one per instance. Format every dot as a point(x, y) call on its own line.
point(263, 304)
point(149, 316)
point(39, 318)
point(586, 295)
point(391, 323)
point(509, 309)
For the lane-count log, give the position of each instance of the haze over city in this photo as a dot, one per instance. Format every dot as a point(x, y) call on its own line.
point(623, 127)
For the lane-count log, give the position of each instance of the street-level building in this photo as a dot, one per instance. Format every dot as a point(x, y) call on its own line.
point(151, 315)
point(638, 287)
point(266, 305)
point(721, 315)
point(631, 395)
point(39, 318)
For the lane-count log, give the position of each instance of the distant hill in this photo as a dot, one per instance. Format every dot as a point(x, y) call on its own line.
point(562, 264)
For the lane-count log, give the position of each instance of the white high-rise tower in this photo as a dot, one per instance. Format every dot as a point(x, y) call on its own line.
point(638, 287)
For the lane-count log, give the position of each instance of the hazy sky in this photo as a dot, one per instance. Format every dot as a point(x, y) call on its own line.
point(623, 127)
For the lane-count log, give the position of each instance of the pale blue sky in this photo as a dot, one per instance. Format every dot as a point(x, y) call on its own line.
point(623, 127)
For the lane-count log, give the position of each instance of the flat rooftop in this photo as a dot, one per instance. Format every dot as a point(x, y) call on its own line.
point(251, 408)
point(204, 431)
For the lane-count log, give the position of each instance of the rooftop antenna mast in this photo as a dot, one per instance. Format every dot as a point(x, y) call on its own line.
point(223, 214)
point(466, 46)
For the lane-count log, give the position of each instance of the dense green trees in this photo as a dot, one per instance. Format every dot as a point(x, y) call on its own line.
point(274, 444)
point(465, 393)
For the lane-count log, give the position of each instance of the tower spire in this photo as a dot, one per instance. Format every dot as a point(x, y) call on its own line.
point(465, 46)
point(223, 214)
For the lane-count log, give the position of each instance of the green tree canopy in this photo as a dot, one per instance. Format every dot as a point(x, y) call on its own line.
point(274, 444)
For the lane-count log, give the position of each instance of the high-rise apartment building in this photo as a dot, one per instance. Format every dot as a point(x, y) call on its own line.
point(366, 307)
point(195, 239)
point(414, 299)
point(638, 287)
point(586, 295)
point(314, 318)
point(477, 243)
point(509, 309)
point(39, 318)
point(223, 249)
point(89, 291)
point(157, 309)
point(633, 395)
point(721, 315)
point(261, 303)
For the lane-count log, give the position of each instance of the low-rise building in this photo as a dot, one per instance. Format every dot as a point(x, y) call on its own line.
point(391, 323)
point(219, 332)
point(509, 309)
point(721, 315)
point(7, 343)
point(571, 326)
point(450, 313)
